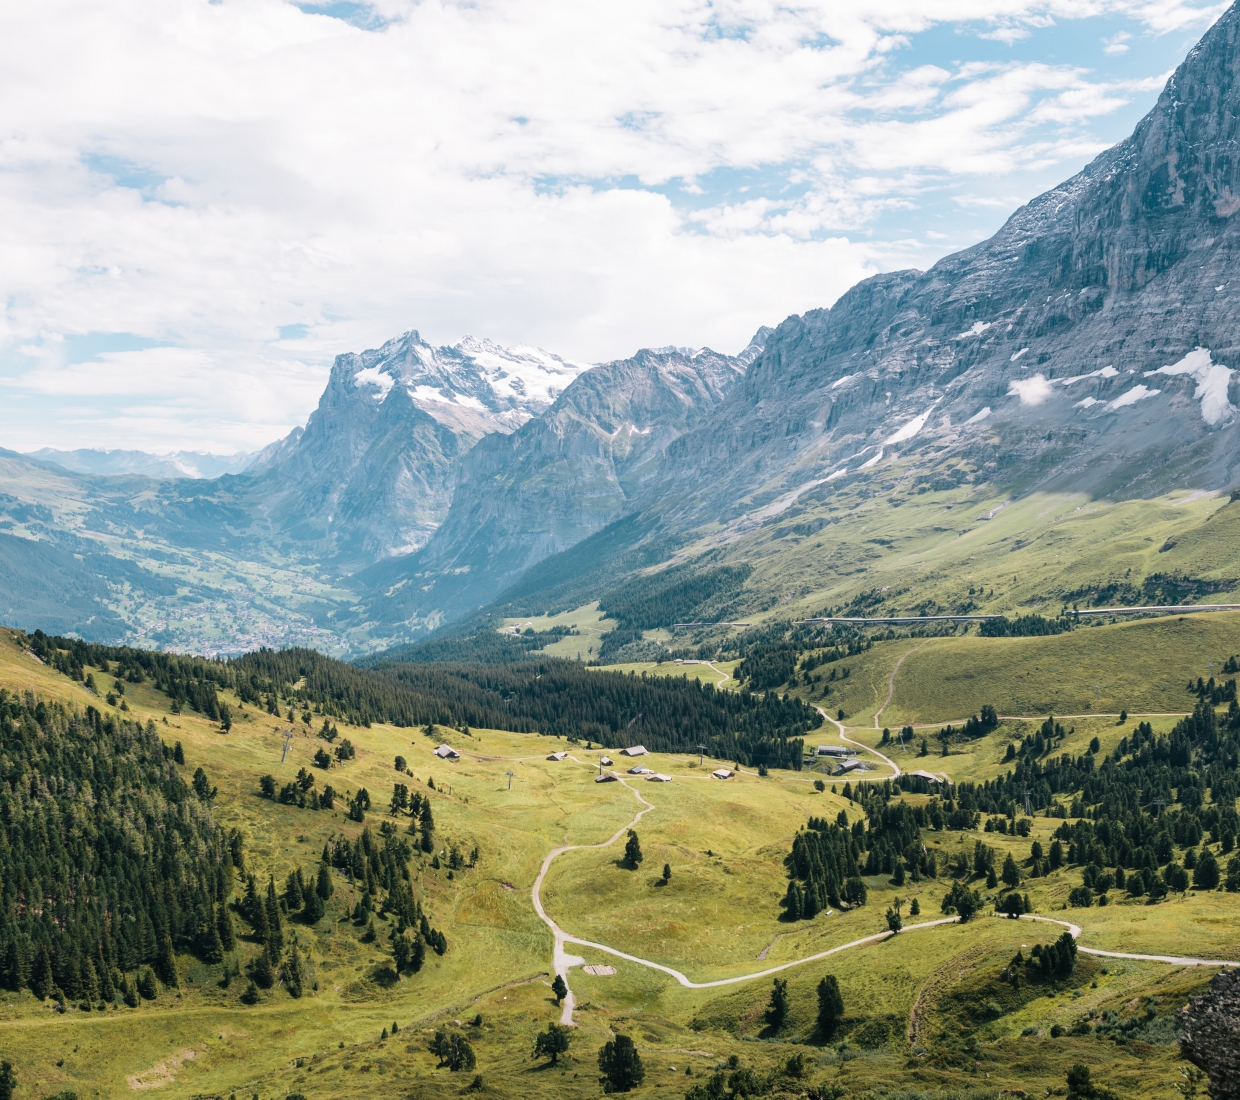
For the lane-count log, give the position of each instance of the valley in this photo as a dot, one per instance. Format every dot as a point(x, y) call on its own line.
point(716, 919)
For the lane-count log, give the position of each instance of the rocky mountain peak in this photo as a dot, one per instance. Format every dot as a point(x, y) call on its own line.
point(475, 386)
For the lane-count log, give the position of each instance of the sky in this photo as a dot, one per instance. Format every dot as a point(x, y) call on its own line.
point(202, 202)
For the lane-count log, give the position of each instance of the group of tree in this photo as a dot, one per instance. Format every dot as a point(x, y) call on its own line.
point(1025, 626)
point(828, 859)
point(549, 696)
point(299, 791)
point(110, 862)
point(1045, 961)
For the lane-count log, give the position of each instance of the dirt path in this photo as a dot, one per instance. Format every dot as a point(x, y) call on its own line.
point(895, 768)
point(891, 680)
point(561, 961)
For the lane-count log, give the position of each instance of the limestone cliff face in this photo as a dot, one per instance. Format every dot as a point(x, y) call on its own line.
point(1090, 344)
point(561, 477)
point(372, 474)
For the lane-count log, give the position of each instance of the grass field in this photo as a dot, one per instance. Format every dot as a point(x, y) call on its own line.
point(719, 912)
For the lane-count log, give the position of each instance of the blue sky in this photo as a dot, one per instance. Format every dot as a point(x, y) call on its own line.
point(200, 212)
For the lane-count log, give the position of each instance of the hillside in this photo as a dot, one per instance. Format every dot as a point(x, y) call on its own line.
point(717, 918)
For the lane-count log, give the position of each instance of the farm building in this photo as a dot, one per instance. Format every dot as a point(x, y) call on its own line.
point(606, 777)
point(605, 761)
point(658, 777)
point(557, 756)
point(835, 750)
point(847, 766)
point(447, 752)
point(640, 769)
point(929, 777)
point(634, 750)
point(722, 773)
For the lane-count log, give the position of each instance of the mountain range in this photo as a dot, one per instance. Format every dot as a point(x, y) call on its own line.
point(1084, 356)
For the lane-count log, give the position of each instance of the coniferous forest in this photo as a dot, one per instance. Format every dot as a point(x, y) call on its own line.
point(109, 861)
point(549, 696)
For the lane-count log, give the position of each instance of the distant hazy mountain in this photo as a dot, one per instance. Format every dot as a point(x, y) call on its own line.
point(195, 464)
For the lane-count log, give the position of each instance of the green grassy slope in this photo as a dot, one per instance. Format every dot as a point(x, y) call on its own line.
point(724, 841)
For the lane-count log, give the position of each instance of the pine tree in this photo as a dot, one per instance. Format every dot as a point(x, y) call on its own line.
point(130, 994)
point(620, 1065)
point(224, 926)
point(8, 1080)
point(167, 962)
point(559, 988)
point(211, 946)
point(250, 995)
point(146, 984)
point(292, 972)
point(323, 886)
point(830, 1006)
point(632, 851)
point(418, 960)
point(262, 970)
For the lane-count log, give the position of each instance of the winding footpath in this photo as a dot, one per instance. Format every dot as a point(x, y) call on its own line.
point(563, 962)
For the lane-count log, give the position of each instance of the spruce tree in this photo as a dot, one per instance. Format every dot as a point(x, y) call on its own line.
point(146, 984)
point(275, 924)
point(830, 1006)
point(41, 974)
point(323, 886)
point(167, 962)
point(559, 988)
point(262, 970)
point(632, 851)
point(224, 925)
point(620, 1065)
point(293, 972)
point(8, 1080)
point(250, 995)
point(776, 1013)
point(130, 994)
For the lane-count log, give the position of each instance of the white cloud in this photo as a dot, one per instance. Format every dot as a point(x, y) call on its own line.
point(202, 176)
point(1031, 391)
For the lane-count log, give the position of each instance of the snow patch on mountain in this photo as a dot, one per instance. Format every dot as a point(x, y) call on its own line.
point(978, 416)
point(1137, 393)
point(978, 328)
point(1105, 372)
point(1212, 381)
point(910, 429)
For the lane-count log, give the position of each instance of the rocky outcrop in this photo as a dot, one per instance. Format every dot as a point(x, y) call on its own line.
point(1211, 1034)
point(372, 474)
point(1090, 344)
point(563, 476)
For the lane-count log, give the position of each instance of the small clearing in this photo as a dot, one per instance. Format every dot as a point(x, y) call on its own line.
point(162, 1074)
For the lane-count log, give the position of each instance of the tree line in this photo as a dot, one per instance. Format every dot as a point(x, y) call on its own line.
point(549, 696)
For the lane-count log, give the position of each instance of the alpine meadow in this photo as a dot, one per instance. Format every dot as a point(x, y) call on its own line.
point(851, 717)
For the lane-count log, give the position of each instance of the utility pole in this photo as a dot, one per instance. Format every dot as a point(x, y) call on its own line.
point(511, 774)
point(1160, 803)
point(288, 736)
point(701, 754)
point(1028, 807)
